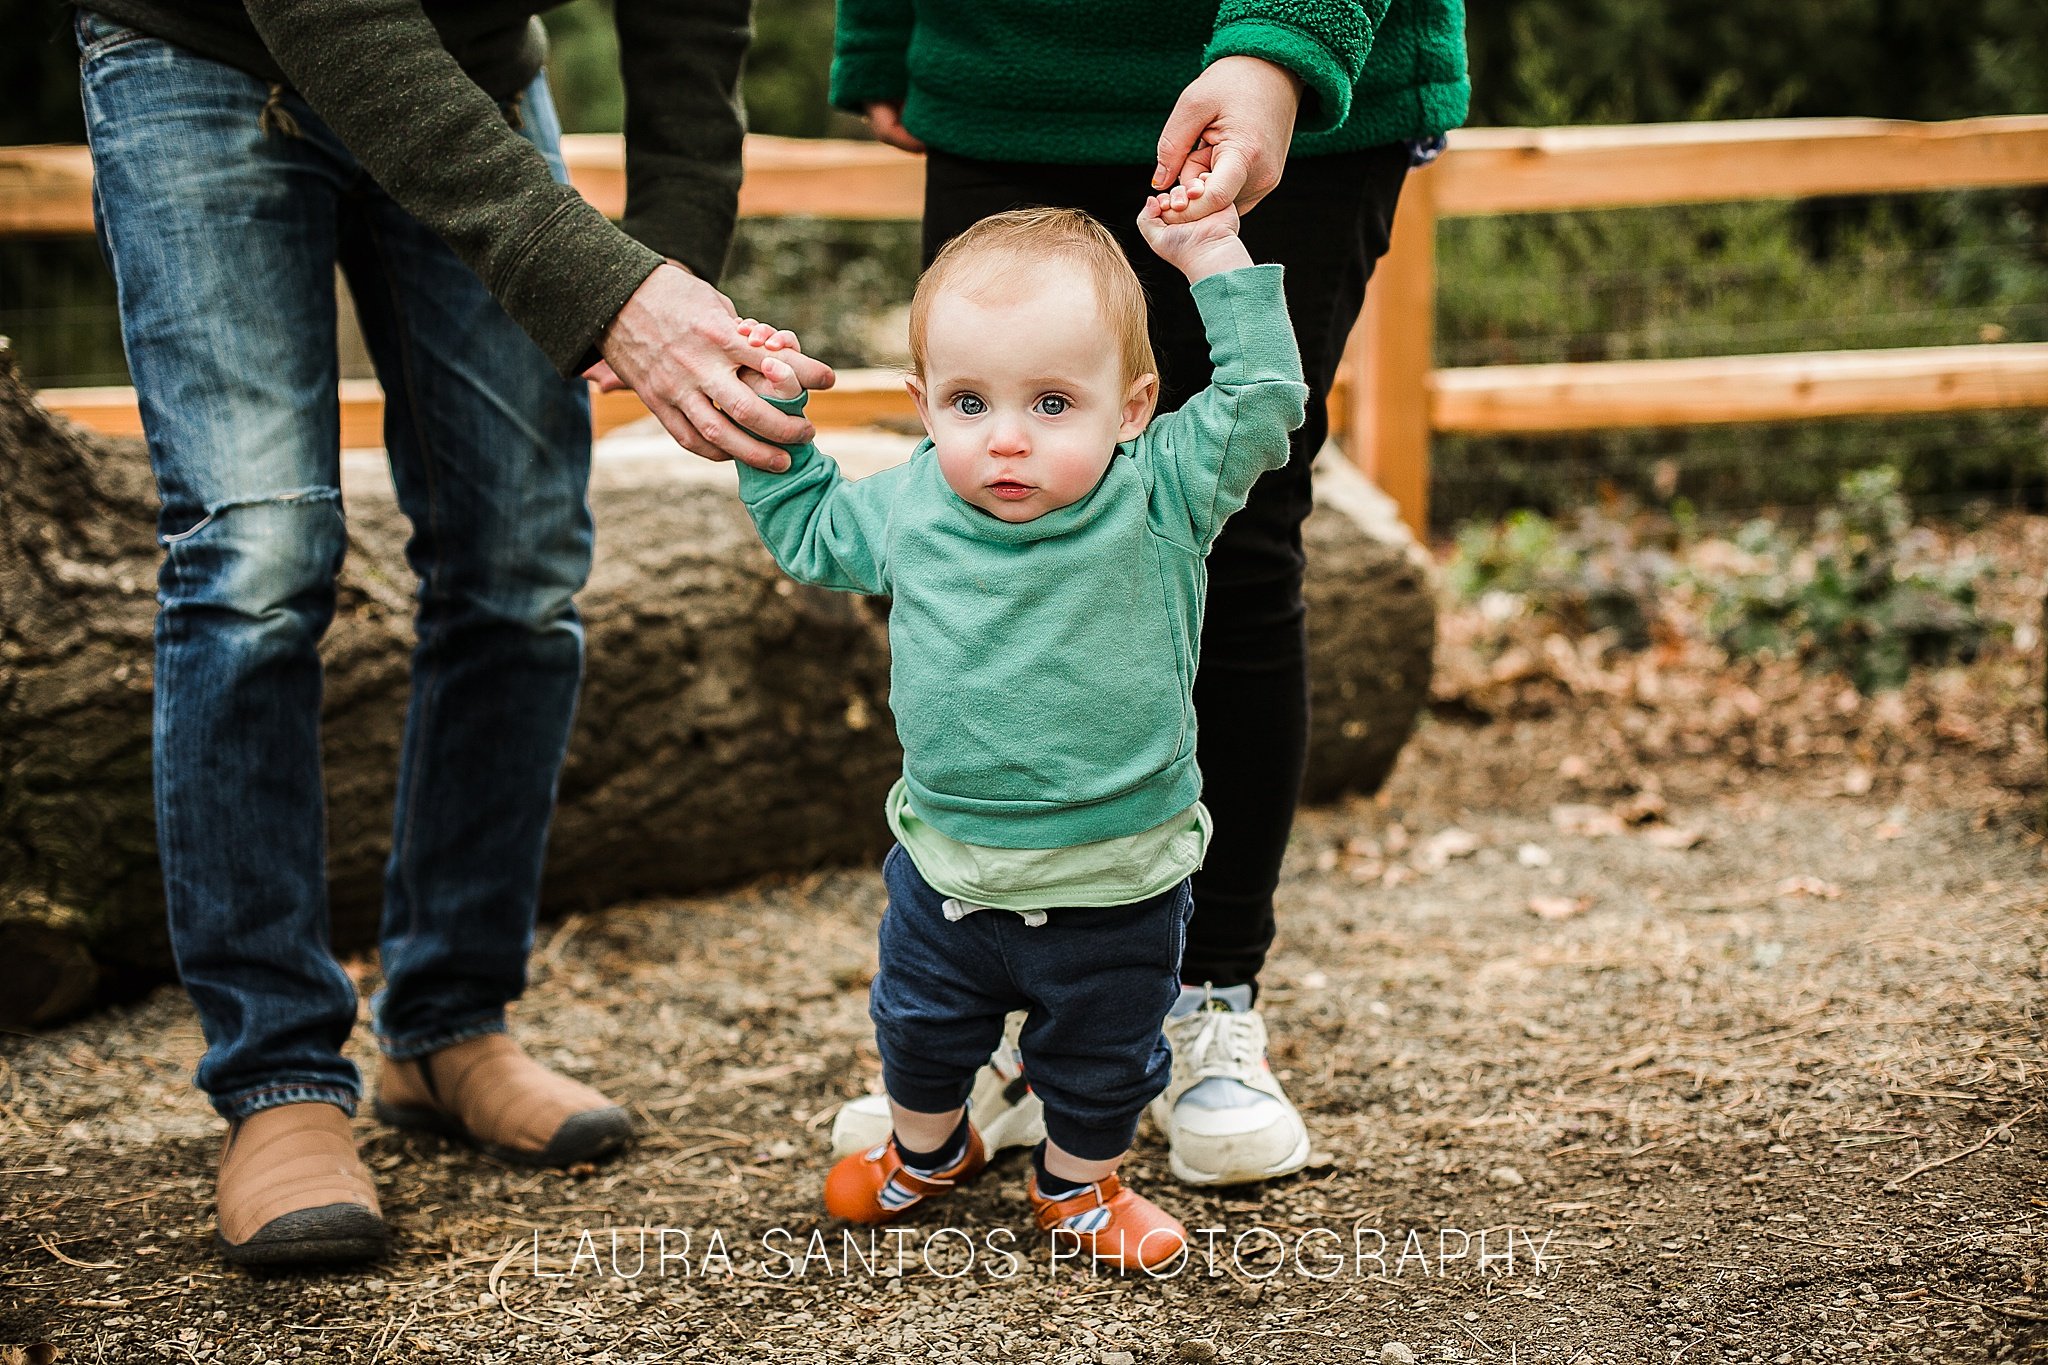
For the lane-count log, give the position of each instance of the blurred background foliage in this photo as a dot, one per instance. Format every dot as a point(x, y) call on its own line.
point(1822, 274)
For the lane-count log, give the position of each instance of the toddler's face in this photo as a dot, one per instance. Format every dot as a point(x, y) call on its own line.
point(1023, 393)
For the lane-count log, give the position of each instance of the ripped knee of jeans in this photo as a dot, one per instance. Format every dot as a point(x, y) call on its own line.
point(258, 555)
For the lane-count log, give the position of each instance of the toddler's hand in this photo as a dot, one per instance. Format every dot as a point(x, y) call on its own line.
point(771, 375)
point(1198, 247)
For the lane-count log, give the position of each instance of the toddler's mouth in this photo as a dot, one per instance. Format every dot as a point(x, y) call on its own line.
point(1010, 490)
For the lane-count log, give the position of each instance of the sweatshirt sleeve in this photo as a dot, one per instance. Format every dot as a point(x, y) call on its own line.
point(378, 73)
point(685, 128)
point(823, 528)
point(1324, 42)
point(1204, 458)
point(871, 52)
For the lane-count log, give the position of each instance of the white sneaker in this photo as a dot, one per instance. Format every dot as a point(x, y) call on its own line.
point(1226, 1120)
point(1003, 1106)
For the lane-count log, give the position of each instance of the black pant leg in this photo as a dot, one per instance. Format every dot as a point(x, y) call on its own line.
point(1328, 223)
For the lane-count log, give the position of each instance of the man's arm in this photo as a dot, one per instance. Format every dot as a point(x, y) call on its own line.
point(378, 72)
point(684, 126)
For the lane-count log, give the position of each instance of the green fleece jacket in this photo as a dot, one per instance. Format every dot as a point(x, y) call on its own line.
point(414, 90)
point(1092, 81)
point(1041, 672)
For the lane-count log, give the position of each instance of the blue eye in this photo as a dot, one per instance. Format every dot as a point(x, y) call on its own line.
point(968, 405)
point(1052, 405)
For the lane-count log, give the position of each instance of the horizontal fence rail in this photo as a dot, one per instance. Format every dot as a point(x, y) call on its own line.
point(1389, 397)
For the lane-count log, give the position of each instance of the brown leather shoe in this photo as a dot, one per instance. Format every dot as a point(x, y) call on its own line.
point(490, 1094)
point(292, 1190)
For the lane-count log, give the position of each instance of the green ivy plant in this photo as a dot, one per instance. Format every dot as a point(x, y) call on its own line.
point(1865, 596)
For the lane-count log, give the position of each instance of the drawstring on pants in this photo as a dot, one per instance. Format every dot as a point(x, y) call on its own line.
point(275, 118)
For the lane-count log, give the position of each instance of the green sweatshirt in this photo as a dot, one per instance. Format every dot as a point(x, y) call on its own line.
point(1041, 672)
point(1092, 81)
point(413, 89)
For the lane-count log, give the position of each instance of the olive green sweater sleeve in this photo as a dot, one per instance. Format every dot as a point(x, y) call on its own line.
point(685, 128)
point(378, 73)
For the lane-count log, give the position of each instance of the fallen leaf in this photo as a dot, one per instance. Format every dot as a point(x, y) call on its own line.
point(1557, 907)
point(1593, 822)
point(1447, 844)
point(1640, 809)
point(1957, 730)
point(1671, 836)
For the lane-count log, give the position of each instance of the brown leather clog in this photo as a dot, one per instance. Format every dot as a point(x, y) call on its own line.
point(292, 1190)
point(489, 1093)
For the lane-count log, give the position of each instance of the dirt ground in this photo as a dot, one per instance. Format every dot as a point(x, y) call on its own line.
point(1656, 1012)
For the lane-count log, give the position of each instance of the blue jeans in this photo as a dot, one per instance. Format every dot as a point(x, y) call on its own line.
point(224, 224)
point(1096, 982)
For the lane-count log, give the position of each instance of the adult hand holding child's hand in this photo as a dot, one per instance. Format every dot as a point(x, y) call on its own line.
point(1196, 238)
point(776, 352)
point(1233, 124)
point(679, 345)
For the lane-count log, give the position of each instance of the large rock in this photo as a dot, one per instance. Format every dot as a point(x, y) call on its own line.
point(731, 724)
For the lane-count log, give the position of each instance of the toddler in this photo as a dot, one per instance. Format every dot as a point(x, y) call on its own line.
point(1044, 552)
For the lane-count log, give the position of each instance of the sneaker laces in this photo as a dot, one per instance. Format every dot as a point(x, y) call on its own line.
point(1222, 1043)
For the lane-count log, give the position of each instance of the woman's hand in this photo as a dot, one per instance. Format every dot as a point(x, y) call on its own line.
point(1233, 123)
point(886, 118)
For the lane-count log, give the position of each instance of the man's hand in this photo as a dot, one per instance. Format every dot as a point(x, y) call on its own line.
point(886, 118)
point(1233, 123)
point(1198, 244)
point(678, 344)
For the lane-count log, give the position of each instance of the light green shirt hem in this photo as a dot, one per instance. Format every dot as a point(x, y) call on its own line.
point(1118, 871)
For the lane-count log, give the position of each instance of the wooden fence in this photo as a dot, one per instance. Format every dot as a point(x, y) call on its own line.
point(1389, 398)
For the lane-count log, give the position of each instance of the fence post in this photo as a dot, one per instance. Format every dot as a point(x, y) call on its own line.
point(1389, 358)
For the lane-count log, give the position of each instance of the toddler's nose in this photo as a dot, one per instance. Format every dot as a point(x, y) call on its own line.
point(1008, 439)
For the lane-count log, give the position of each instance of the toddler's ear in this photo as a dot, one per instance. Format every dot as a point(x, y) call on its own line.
point(1139, 400)
point(917, 396)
